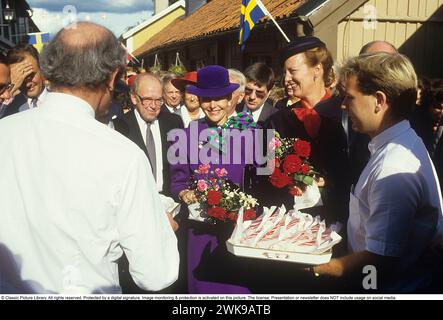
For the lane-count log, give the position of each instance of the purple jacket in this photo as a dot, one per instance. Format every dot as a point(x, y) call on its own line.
point(192, 142)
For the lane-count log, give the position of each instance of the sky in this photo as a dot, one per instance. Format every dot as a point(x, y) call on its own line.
point(51, 15)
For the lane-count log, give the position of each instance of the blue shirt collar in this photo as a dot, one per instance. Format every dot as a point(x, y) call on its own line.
point(388, 135)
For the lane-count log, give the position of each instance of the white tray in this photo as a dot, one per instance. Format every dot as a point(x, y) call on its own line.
point(305, 258)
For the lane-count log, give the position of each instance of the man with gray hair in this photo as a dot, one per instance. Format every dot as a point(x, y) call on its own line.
point(396, 204)
point(148, 126)
point(171, 95)
point(236, 76)
point(84, 194)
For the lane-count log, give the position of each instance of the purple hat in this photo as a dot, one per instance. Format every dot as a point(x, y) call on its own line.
point(212, 81)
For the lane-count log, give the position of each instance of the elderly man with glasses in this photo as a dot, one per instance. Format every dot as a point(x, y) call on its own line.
point(148, 126)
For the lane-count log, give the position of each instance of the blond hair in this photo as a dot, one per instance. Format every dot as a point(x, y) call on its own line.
point(392, 74)
point(321, 55)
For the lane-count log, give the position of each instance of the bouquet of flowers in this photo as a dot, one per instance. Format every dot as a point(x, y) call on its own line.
point(219, 199)
point(292, 168)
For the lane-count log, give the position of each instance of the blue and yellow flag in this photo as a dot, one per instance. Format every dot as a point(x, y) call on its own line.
point(38, 39)
point(251, 12)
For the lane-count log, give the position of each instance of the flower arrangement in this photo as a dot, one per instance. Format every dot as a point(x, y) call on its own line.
point(178, 70)
point(292, 168)
point(220, 199)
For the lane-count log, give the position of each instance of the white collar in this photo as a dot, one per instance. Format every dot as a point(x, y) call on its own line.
point(245, 108)
point(172, 108)
point(233, 114)
point(141, 122)
point(62, 101)
point(40, 98)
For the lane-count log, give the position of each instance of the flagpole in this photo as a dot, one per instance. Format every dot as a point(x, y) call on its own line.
point(262, 6)
point(124, 47)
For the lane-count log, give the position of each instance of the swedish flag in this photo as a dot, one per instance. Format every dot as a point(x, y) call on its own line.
point(38, 39)
point(251, 12)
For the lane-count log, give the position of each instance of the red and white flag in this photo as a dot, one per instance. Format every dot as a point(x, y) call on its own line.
point(129, 56)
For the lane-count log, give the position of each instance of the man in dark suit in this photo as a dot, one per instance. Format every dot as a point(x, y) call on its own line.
point(172, 96)
point(26, 77)
point(259, 81)
point(146, 95)
point(148, 126)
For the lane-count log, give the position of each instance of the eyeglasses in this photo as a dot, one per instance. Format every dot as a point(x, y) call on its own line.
point(259, 94)
point(5, 86)
point(149, 101)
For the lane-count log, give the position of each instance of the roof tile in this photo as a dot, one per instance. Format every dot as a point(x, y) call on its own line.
point(215, 16)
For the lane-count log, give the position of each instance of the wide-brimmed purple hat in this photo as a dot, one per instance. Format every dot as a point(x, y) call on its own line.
point(212, 81)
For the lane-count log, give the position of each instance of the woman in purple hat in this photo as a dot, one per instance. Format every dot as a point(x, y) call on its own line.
point(200, 140)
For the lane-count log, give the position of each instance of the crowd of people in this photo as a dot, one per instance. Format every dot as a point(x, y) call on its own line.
point(90, 201)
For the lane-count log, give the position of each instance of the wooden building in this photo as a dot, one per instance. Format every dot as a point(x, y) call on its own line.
point(209, 35)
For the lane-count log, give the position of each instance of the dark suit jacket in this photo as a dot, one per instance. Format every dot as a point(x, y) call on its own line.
point(19, 101)
point(281, 104)
point(128, 126)
point(164, 108)
point(267, 111)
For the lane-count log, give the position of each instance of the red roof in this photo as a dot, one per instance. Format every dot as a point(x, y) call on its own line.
point(212, 18)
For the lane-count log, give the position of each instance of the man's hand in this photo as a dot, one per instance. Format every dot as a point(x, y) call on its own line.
point(172, 222)
point(19, 72)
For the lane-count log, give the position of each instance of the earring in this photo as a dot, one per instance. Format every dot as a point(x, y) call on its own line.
point(315, 78)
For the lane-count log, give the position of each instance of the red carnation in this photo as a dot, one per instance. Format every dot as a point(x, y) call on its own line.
point(305, 169)
point(279, 179)
point(217, 213)
point(292, 164)
point(295, 191)
point(249, 215)
point(214, 197)
point(302, 148)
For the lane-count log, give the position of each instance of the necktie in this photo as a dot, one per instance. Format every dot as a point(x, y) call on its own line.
point(177, 111)
point(150, 146)
point(34, 102)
